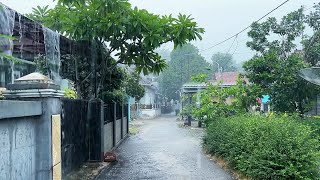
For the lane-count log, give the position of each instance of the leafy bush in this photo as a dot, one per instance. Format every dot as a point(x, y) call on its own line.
point(116, 95)
point(70, 93)
point(217, 103)
point(266, 147)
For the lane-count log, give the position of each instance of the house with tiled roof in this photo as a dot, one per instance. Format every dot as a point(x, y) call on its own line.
point(225, 79)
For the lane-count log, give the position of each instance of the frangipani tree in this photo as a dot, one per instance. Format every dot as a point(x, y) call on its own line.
point(130, 35)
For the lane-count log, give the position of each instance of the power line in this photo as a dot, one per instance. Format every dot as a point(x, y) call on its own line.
point(236, 47)
point(232, 44)
point(235, 35)
point(217, 44)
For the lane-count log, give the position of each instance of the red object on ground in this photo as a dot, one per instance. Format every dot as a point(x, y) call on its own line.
point(110, 157)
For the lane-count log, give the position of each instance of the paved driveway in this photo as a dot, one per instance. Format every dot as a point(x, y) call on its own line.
point(162, 150)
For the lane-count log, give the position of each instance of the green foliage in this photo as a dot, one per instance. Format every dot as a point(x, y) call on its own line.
point(70, 93)
point(39, 13)
point(126, 84)
point(3, 36)
point(185, 62)
point(266, 147)
point(42, 64)
point(217, 103)
point(7, 37)
point(199, 78)
point(225, 61)
point(132, 86)
point(274, 70)
point(132, 34)
point(115, 95)
point(288, 29)
point(312, 44)
point(187, 110)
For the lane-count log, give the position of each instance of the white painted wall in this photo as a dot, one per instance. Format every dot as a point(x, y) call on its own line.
point(150, 113)
point(149, 96)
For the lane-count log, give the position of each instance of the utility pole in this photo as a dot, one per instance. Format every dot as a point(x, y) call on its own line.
point(219, 69)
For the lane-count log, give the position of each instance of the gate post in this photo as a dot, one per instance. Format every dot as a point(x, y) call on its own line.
point(37, 87)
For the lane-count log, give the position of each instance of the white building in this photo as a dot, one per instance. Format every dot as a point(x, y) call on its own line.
point(150, 102)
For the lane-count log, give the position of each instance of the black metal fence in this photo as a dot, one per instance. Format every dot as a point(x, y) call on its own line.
point(82, 128)
point(108, 112)
point(81, 133)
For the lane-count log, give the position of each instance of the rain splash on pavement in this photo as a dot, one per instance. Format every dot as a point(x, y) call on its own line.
point(162, 150)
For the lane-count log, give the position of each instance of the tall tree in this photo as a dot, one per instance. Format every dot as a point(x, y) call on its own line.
point(126, 35)
point(185, 63)
point(312, 43)
point(224, 61)
point(129, 34)
point(275, 68)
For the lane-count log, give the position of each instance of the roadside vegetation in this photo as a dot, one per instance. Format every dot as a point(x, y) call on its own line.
point(266, 147)
point(283, 143)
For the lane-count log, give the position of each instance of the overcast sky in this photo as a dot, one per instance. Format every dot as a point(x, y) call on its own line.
point(220, 18)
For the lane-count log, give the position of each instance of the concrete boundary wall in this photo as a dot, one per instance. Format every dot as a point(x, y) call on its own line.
point(15, 109)
point(150, 113)
point(25, 138)
point(18, 148)
point(108, 137)
point(118, 131)
point(125, 126)
point(115, 129)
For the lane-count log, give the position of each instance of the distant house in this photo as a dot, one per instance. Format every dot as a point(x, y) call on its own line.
point(226, 79)
point(149, 105)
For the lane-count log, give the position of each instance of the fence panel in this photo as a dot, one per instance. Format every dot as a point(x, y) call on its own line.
point(81, 133)
point(108, 113)
point(95, 130)
point(74, 145)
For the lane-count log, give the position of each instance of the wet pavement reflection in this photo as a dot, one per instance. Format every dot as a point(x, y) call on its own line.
point(162, 150)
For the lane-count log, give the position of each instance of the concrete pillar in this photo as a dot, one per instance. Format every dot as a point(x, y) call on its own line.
point(37, 87)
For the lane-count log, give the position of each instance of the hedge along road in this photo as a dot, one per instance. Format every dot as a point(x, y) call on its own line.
point(162, 150)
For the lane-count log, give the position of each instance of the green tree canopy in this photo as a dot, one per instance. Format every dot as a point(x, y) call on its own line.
point(131, 35)
point(225, 61)
point(275, 68)
point(132, 86)
point(118, 34)
point(312, 43)
point(185, 63)
point(39, 13)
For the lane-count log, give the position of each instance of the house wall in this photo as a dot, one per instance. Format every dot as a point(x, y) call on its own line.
point(149, 96)
point(150, 113)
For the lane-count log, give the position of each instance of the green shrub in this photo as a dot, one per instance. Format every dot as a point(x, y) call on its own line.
point(70, 93)
point(265, 147)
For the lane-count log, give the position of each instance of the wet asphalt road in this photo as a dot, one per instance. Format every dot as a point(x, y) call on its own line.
point(162, 150)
